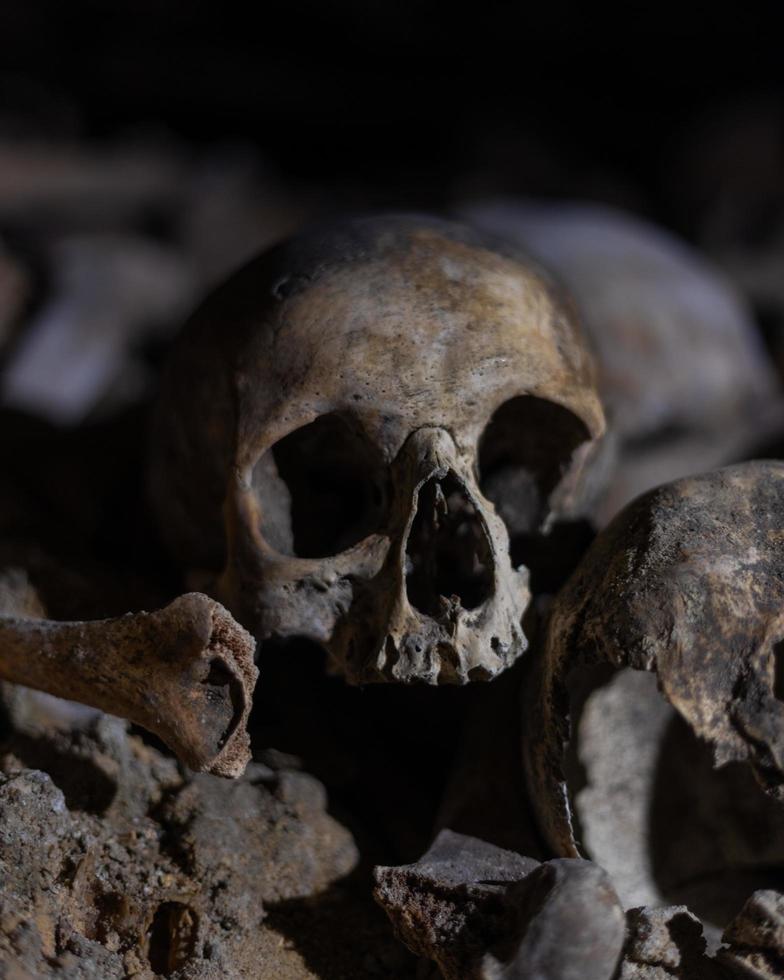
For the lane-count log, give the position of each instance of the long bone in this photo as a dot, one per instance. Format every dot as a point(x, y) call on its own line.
point(185, 673)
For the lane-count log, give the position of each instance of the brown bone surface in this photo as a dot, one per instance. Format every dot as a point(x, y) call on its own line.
point(688, 581)
point(184, 672)
point(685, 380)
point(352, 427)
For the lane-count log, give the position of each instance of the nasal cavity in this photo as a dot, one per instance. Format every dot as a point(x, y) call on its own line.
point(448, 557)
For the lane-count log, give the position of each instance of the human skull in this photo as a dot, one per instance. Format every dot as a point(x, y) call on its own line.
point(347, 424)
point(687, 584)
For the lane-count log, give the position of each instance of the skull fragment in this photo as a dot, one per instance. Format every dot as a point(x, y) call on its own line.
point(686, 584)
point(353, 426)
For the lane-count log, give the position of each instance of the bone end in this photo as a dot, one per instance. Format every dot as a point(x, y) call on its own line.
point(214, 736)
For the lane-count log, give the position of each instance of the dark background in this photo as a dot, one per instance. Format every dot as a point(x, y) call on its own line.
point(410, 103)
point(148, 148)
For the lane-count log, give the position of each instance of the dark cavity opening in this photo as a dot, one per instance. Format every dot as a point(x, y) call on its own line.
point(524, 452)
point(778, 671)
point(224, 697)
point(552, 558)
point(321, 489)
point(172, 938)
point(85, 786)
point(447, 553)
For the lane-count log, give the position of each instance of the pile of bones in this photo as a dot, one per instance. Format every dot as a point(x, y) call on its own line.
point(478, 502)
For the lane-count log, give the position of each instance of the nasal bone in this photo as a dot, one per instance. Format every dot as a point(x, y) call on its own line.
point(434, 452)
point(448, 554)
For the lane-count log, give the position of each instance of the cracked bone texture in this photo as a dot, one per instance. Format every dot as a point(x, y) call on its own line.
point(682, 368)
point(422, 384)
point(118, 865)
point(755, 939)
point(687, 583)
point(185, 672)
point(481, 912)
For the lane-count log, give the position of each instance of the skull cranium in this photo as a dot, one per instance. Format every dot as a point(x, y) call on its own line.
point(348, 423)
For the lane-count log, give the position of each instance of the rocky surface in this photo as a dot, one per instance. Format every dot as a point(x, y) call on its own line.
point(115, 862)
point(755, 938)
point(665, 943)
point(481, 912)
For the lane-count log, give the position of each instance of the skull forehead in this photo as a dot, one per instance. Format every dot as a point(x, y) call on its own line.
point(420, 326)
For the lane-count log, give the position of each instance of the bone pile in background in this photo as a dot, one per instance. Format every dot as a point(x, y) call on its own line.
point(399, 449)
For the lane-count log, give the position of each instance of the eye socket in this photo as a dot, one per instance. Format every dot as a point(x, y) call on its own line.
point(321, 489)
point(523, 453)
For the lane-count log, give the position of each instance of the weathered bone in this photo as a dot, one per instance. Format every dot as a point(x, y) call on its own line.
point(688, 584)
point(355, 424)
point(185, 673)
point(685, 380)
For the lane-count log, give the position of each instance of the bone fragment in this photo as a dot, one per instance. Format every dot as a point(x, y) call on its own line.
point(185, 673)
